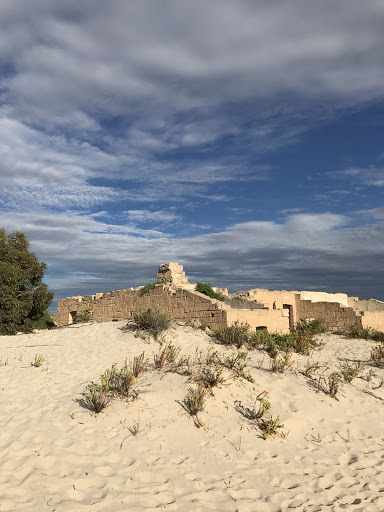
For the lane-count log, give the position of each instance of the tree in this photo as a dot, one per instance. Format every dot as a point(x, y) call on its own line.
point(23, 295)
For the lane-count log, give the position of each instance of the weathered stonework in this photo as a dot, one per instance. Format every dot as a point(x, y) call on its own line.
point(278, 311)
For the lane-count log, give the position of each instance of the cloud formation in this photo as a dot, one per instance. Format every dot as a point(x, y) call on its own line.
point(122, 121)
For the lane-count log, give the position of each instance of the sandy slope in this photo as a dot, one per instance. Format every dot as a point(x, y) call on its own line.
point(57, 456)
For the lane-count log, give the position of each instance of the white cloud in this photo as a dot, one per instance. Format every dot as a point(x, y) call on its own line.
point(30, 157)
point(372, 176)
point(139, 216)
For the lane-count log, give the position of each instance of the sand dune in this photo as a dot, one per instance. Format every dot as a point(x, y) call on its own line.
point(58, 456)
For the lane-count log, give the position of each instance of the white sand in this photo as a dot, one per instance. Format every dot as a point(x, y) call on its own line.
point(57, 456)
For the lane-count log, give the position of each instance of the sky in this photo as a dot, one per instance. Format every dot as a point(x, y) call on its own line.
point(243, 139)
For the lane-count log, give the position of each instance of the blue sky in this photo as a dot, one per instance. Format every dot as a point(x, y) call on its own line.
point(243, 139)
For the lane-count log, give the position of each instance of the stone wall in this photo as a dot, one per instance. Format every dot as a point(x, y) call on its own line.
point(278, 311)
point(372, 319)
point(275, 320)
point(335, 317)
point(341, 298)
point(366, 305)
point(182, 305)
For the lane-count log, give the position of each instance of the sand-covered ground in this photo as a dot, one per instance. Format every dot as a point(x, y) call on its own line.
point(59, 456)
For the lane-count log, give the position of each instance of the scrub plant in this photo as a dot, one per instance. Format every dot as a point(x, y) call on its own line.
point(377, 355)
point(139, 365)
point(194, 399)
point(333, 384)
point(236, 334)
point(153, 321)
point(281, 363)
point(38, 361)
point(349, 372)
point(210, 377)
point(270, 426)
point(84, 315)
point(236, 364)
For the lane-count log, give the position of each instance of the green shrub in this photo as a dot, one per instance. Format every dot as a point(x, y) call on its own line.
point(24, 297)
point(236, 364)
point(236, 334)
point(194, 400)
point(84, 315)
point(270, 426)
point(333, 384)
point(377, 355)
point(44, 322)
point(367, 333)
point(150, 286)
point(207, 289)
point(152, 321)
point(280, 363)
point(167, 355)
point(315, 326)
point(349, 372)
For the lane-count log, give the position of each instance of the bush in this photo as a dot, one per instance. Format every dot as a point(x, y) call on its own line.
point(153, 321)
point(367, 334)
point(194, 399)
point(315, 326)
point(206, 289)
point(349, 372)
point(83, 315)
point(150, 286)
point(24, 297)
point(45, 322)
point(377, 355)
point(236, 334)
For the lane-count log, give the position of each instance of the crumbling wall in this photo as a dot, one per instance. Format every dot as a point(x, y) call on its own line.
point(336, 318)
point(373, 319)
point(275, 320)
point(341, 298)
point(373, 305)
point(181, 304)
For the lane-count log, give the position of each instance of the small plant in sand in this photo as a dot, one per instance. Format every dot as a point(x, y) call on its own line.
point(135, 429)
point(377, 355)
point(139, 365)
point(210, 377)
point(311, 368)
point(257, 410)
point(270, 427)
point(333, 384)
point(194, 399)
point(236, 364)
point(168, 355)
point(97, 397)
point(38, 361)
point(351, 371)
point(203, 323)
point(152, 321)
point(122, 381)
point(281, 363)
point(236, 334)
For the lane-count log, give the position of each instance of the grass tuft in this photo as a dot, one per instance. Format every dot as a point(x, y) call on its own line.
point(38, 361)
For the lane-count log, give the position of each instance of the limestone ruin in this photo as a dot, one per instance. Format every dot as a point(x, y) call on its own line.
point(277, 311)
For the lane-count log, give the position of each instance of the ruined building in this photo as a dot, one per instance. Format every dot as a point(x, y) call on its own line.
point(277, 311)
